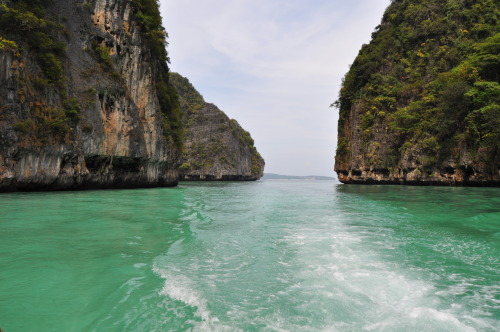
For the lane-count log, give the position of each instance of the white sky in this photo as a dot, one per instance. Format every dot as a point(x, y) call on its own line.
point(275, 66)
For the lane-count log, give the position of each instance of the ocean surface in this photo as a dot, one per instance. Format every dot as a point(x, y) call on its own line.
point(255, 256)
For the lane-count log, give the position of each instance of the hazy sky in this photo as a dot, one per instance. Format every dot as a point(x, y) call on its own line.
point(275, 66)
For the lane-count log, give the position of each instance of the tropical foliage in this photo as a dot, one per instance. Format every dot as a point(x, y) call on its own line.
point(27, 23)
point(189, 98)
point(147, 13)
point(429, 79)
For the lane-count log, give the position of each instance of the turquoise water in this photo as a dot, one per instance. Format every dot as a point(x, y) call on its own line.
point(261, 256)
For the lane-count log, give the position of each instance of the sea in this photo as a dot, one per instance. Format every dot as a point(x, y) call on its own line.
point(273, 255)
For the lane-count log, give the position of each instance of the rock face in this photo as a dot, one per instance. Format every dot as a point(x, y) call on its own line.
point(215, 147)
point(80, 96)
point(421, 102)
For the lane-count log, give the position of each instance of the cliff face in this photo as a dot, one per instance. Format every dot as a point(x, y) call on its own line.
point(215, 147)
point(421, 102)
point(81, 90)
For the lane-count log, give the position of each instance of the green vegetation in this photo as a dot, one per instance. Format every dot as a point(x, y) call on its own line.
point(147, 14)
point(256, 167)
point(43, 123)
point(46, 125)
point(204, 152)
point(246, 140)
point(102, 53)
point(243, 135)
point(430, 80)
point(29, 31)
point(171, 112)
point(7, 45)
point(26, 23)
point(189, 99)
point(72, 109)
point(185, 167)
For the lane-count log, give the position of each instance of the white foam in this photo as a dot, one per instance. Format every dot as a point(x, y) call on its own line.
point(140, 265)
point(426, 313)
point(390, 296)
point(131, 285)
point(420, 318)
point(181, 288)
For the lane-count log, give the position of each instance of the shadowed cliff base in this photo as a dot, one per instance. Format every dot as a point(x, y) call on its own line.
point(446, 177)
point(46, 172)
point(114, 183)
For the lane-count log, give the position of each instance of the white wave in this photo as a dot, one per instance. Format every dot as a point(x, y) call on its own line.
point(180, 288)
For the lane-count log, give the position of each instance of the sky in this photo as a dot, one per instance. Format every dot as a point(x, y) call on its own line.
point(275, 66)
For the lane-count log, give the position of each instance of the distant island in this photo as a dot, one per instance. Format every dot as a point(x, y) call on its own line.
point(273, 176)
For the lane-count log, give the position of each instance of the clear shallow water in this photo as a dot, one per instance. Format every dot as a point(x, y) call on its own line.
point(263, 256)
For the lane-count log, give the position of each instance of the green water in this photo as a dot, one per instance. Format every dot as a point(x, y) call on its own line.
point(262, 256)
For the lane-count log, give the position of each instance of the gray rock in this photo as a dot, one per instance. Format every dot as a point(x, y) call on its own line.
point(215, 147)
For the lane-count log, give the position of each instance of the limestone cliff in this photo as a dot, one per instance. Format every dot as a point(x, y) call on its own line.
point(215, 147)
point(84, 96)
point(421, 102)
